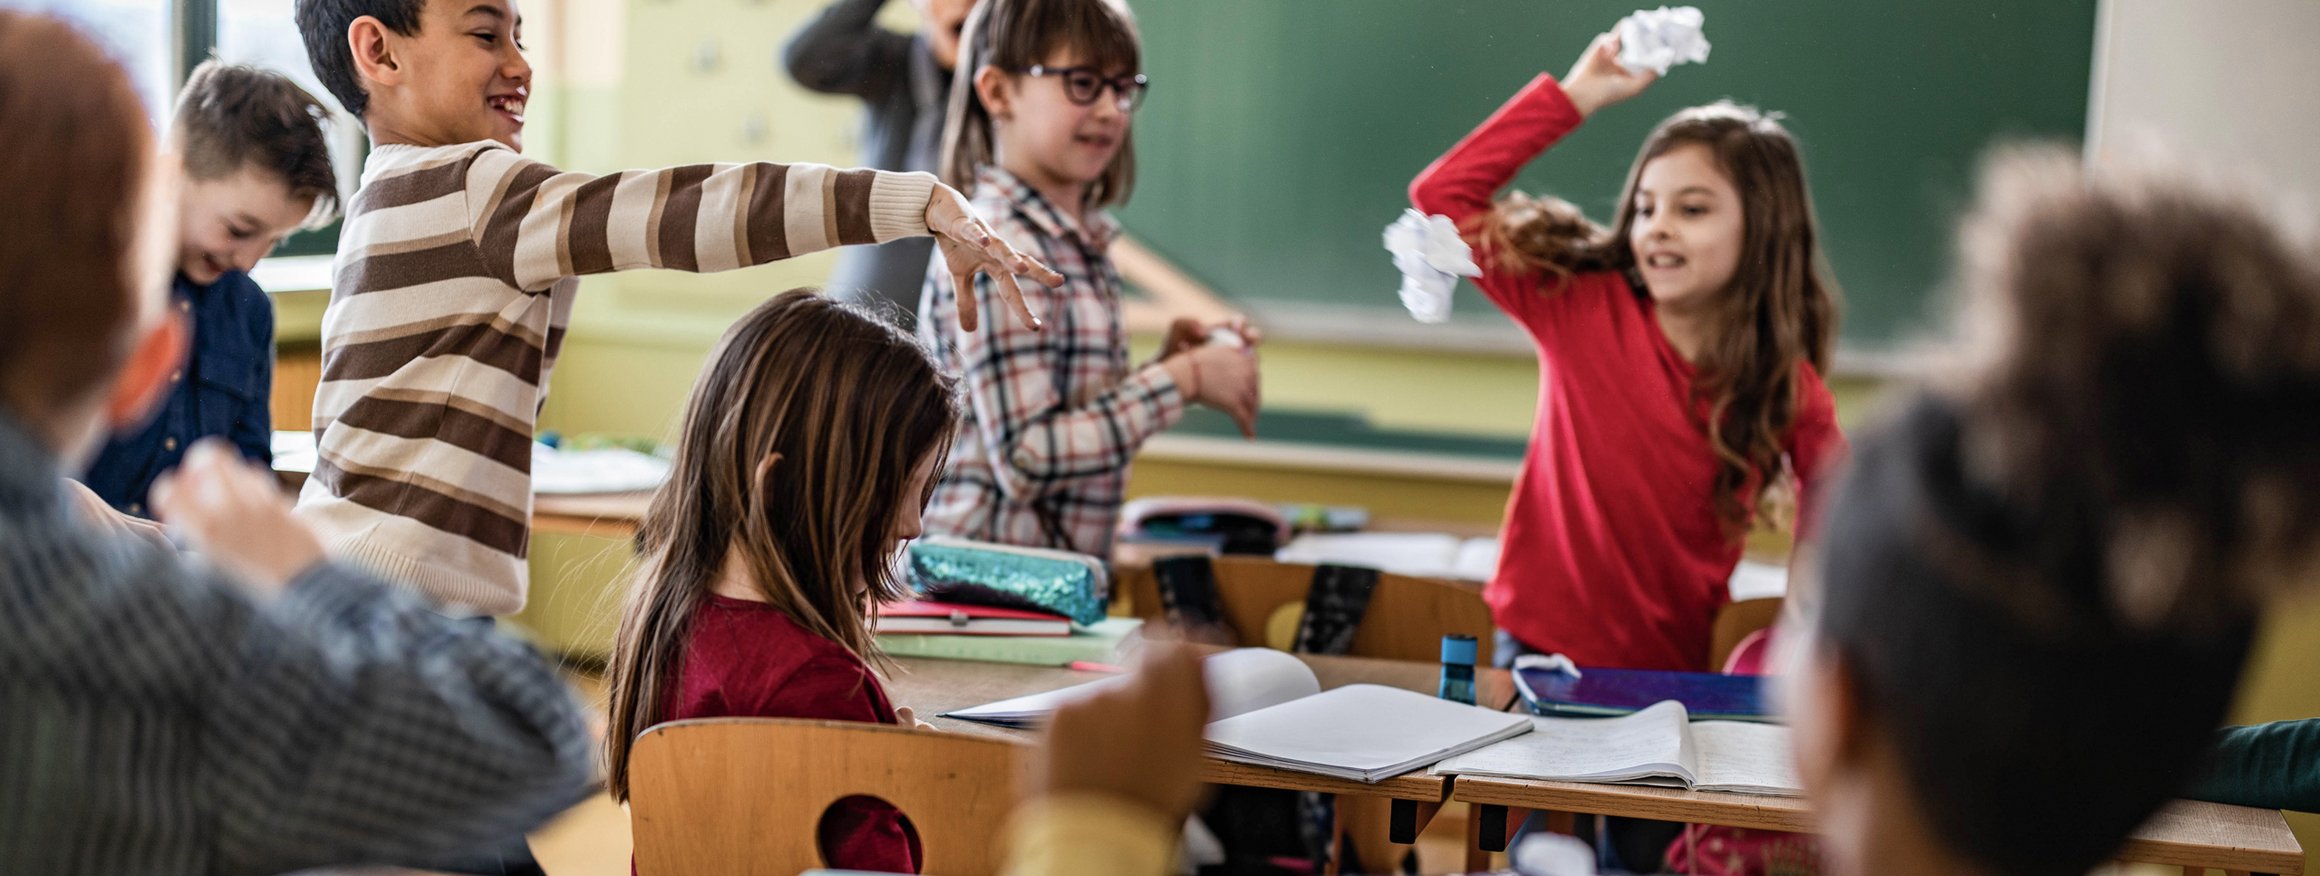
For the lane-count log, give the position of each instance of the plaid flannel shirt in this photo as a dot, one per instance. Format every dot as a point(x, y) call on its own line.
point(1053, 416)
point(155, 721)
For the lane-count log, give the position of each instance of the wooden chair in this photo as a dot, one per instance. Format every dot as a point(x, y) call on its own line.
point(744, 795)
point(1406, 619)
point(1734, 622)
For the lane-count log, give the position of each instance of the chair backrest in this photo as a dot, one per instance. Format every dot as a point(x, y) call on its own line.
point(1734, 622)
point(745, 795)
point(1406, 619)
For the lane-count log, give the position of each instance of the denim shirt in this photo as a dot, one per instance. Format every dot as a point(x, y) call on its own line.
point(224, 388)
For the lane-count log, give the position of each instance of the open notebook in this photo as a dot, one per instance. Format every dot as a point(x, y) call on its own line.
point(1267, 709)
point(1659, 745)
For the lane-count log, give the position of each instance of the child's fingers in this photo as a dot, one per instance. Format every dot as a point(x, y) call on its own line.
point(1184, 333)
point(1243, 409)
point(1020, 264)
point(1172, 674)
point(970, 229)
point(1044, 275)
point(1014, 295)
point(238, 485)
point(1250, 334)
point(964, 284)
point(163, 495)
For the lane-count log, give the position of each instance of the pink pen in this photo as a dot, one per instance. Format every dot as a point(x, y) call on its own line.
point(1092, 666)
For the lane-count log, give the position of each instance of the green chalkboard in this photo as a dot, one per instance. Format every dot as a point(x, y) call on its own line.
point(1280, 135)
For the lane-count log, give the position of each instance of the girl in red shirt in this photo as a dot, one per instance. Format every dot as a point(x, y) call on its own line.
point(809, 449)
point(1680, 360)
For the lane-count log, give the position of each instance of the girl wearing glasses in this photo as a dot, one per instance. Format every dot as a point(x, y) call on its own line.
point(1039, 133)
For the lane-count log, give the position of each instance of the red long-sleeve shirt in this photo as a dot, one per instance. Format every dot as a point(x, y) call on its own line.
point(1612, 552)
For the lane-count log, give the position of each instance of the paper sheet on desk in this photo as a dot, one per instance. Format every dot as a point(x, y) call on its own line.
point(1421, 554)
point(1239, 681)
point(583, 472)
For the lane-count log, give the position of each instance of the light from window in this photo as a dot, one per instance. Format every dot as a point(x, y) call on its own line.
point(262, 33)
point(136, 32)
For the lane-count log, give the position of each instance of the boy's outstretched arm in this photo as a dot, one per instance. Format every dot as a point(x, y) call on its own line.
point(539, 225)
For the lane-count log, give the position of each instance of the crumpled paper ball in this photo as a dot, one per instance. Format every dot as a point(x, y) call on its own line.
point(1656, 39)
point(1431, 256)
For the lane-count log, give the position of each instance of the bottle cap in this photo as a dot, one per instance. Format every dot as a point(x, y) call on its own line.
point(1458, 649)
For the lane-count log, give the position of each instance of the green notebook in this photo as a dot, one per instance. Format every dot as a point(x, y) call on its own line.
point(1099, 642)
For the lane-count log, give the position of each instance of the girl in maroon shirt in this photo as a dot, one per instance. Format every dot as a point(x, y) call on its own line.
point(1680, 354)
point(808, 451)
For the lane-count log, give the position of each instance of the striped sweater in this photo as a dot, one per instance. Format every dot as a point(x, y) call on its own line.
point(454, 282)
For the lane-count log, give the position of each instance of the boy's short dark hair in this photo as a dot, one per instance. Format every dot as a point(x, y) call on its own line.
point(323, 23)
point(231, 116)
point(80, 152)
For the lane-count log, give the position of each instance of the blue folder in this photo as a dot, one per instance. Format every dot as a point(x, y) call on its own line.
point(1609, 692)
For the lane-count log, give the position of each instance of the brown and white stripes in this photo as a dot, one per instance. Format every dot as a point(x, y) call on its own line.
point(455, 276)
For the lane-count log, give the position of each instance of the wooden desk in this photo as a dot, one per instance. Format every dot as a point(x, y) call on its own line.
point(2185, 834)
point(931, 687)
point(607, 515)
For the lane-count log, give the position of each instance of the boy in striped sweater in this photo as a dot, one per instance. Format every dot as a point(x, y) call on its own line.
point(457, 267)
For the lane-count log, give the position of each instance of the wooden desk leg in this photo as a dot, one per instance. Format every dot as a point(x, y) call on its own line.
point(1337, 841)
point(1410, 818)
point(1497, 825)
point(1477, 858)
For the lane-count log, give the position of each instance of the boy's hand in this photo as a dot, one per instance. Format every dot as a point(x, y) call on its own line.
point(1139, 741)
point(96, 513)
point(236, 515)
point(969, 247)
point(1598, 81)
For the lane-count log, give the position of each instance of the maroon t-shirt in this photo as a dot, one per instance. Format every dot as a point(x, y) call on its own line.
point(749, 660)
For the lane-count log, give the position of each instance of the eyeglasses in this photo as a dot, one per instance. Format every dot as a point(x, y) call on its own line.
point(1084, 84)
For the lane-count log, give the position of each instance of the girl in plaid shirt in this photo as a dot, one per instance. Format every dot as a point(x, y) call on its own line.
point(1039, 134)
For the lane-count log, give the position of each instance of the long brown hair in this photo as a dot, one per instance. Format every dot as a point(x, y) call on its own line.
point(76, 171)
point(1779, 310)
point(1013, 35)
point(846, 407)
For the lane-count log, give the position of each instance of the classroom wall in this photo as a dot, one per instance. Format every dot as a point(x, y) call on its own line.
point(2226, 87)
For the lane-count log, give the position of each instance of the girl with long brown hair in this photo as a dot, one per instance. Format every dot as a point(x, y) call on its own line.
point(1680, 398)
point(808, 450)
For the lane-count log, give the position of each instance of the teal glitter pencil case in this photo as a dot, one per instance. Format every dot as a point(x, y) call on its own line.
point(982, 573)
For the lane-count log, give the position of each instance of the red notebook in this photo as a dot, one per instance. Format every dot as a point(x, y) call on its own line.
point(951, 618)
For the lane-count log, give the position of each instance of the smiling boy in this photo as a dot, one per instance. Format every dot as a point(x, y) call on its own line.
point(257, 168)
point(458, 267)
